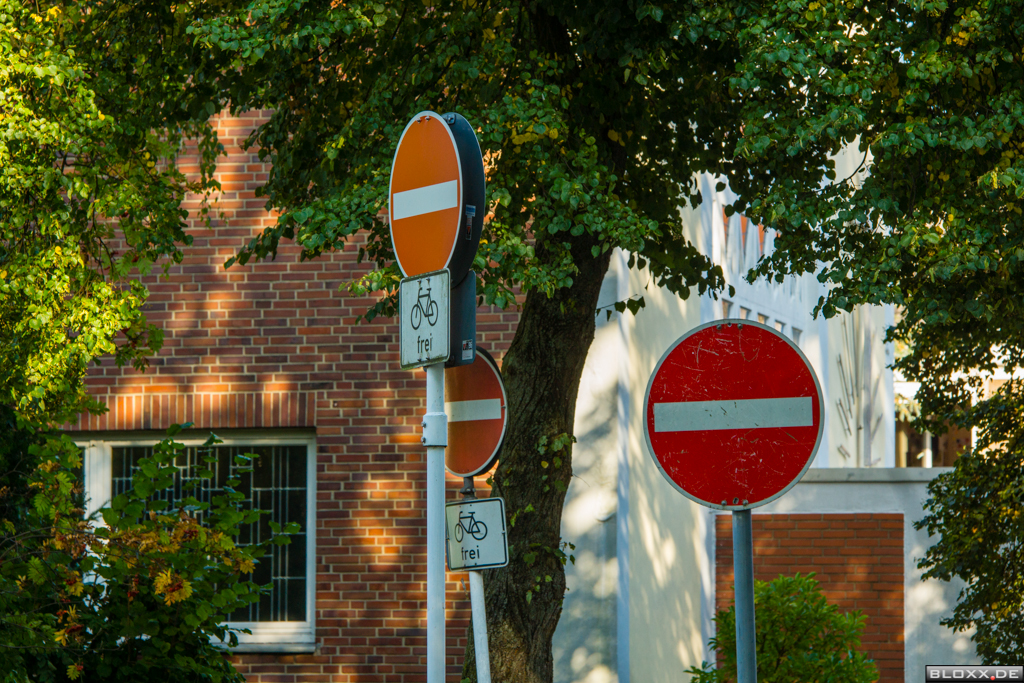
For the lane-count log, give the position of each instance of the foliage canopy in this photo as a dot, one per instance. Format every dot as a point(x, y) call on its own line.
point(95, 101)
point(931, 97)
point(581, 138)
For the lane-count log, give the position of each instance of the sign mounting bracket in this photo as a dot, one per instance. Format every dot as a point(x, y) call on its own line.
point(435, 430)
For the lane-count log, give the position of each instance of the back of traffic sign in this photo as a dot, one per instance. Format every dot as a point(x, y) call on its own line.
point(436, 197)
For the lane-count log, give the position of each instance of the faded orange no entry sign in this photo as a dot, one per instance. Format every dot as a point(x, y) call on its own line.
point(436, 196)
point(477, 411)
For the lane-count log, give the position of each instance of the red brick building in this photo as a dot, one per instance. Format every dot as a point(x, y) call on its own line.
point(856, 558)
point(271, 355)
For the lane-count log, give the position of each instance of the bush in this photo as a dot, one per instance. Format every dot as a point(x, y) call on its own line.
point(142, 596)
point(801, 638)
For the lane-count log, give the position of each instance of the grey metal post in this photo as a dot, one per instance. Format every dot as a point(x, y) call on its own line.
point(743, 569)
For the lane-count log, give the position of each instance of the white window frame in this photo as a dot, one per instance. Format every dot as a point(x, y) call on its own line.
point(266, 636)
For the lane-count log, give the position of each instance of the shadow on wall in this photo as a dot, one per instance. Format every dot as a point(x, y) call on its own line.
point(584, 643)
point(668, 573)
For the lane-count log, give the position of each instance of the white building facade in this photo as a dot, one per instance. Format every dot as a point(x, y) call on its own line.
point(642, 592)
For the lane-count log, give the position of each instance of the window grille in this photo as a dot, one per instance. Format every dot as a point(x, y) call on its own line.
point(276, 484)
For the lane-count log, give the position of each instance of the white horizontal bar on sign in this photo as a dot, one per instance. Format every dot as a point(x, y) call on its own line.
point(755, 413)
point(425, 199)
point(466, 411)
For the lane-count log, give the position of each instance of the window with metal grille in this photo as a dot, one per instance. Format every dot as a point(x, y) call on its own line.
point(277, 483)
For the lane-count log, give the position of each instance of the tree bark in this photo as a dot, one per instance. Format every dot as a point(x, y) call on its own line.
point(542, 371)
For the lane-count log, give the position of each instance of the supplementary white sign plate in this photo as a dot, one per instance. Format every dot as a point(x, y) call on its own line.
point(424, 305)
point(476, 534)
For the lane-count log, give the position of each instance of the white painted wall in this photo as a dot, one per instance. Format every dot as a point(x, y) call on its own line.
point(585, 643)
point(861, 414)
point(846, 352)
point(665, 529)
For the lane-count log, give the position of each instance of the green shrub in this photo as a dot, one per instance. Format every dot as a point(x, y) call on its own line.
point(801, 638)
point(142, 596)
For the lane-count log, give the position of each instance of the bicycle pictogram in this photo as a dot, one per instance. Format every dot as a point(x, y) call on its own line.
point(425, 306)
point(474, 528)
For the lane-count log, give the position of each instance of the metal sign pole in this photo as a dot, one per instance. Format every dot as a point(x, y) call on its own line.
point(435, 438)
point(437, 165)
point(479, 608)
point(483, 655)
point(743, 569)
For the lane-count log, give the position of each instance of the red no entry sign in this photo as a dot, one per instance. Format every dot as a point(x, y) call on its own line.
point(477, 415)
point(733, 414)
point(436, 197)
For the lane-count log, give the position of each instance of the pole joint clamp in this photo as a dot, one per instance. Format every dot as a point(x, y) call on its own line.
point(435, 430)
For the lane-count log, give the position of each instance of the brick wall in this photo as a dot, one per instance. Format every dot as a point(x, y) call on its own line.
point(858, 559)
point(275, 344)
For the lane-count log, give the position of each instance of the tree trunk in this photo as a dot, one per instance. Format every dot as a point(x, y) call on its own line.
point(542, 372)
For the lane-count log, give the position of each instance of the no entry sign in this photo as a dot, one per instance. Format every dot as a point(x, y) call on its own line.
point(477, 415)
point(436, 197)
point(733, 414)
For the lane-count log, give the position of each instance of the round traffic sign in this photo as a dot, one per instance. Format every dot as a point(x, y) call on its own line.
point(436, 196)
point(477, 411)
point(733, 414)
